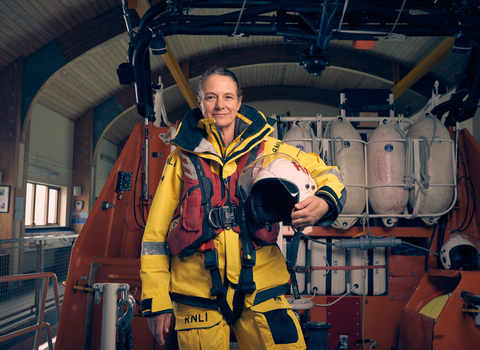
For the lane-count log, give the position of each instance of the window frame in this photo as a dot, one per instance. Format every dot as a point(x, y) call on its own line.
point(49, 187)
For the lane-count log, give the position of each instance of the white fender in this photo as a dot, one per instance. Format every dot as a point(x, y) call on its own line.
point(351, 163)
point(440, 169)
point(301, 136)
point(386, 167)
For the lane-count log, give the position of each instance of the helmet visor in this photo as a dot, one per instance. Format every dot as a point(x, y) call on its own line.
point(278, 168)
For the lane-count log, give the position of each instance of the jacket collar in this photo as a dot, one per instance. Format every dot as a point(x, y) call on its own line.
point(192, 134)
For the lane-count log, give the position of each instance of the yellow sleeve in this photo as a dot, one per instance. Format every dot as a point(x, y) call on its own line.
point(155, 259)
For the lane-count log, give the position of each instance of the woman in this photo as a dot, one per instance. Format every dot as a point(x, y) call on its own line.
point(194, 263)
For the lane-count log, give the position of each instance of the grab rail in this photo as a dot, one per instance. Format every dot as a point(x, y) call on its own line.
point(44, 276)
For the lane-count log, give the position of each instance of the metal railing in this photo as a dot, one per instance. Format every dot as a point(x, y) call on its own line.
point(20, 296)
point(38, 327)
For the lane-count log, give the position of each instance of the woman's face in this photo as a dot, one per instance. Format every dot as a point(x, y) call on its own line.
point(219, 100)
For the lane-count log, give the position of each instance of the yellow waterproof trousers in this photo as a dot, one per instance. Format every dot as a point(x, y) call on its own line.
point(270, 325)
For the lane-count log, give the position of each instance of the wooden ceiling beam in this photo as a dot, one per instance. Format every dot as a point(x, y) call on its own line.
point(180, 79)
point(94, 32)
point(427, 64)
point(141, 6)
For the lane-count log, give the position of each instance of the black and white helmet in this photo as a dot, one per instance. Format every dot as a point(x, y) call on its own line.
point(461, 252)
point(272, 185)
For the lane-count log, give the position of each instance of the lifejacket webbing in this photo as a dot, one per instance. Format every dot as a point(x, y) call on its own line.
point(218, 290)
point(371, 260)
point(292, 260)
point(270, 293)
point(194, 301)
point(247, 284)
point(328, 281)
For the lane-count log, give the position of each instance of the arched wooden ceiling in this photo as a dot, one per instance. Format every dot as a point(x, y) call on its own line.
point(73, 47)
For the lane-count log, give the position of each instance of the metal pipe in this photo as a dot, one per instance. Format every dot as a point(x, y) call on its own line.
point(41, 311)
point(141, 71)
point(109, 319)
point(147, 157)
point(350, 119)
point(233, 16)
point(326, 24)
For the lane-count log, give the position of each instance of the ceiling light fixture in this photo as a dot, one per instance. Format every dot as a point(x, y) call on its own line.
point(315, 60)
point(157, 46)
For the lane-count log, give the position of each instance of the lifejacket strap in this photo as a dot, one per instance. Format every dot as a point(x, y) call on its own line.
point(219, 291)
point(291, 262)
point(248, 285)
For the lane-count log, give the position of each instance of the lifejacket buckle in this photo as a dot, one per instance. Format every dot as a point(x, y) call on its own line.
point(216, 291)
point(224, 216)
point(210, 259)
point(228, 215)
point(249, 288)
point(249, 258)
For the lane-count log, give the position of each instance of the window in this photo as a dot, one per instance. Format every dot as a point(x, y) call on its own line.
point(41, 208)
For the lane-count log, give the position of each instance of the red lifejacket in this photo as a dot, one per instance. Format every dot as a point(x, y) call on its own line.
point(209, 205)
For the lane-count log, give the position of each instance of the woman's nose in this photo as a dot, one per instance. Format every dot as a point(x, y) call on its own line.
point(220, 103)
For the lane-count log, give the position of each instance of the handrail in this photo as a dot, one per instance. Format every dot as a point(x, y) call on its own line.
point(37, 238)
point(41, 311)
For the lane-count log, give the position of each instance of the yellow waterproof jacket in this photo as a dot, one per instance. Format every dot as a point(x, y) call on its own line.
point(163, 274)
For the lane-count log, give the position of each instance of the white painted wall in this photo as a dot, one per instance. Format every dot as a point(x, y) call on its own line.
point(296, 108)
point(51, 149)
point(51, 146)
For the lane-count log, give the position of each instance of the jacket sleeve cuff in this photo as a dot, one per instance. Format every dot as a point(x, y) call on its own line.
point(334, 207)
point(169, 311)
point(156, 306)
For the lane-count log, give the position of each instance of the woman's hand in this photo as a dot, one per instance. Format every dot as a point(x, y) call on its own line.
point(160, 325)
point(309, 211)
